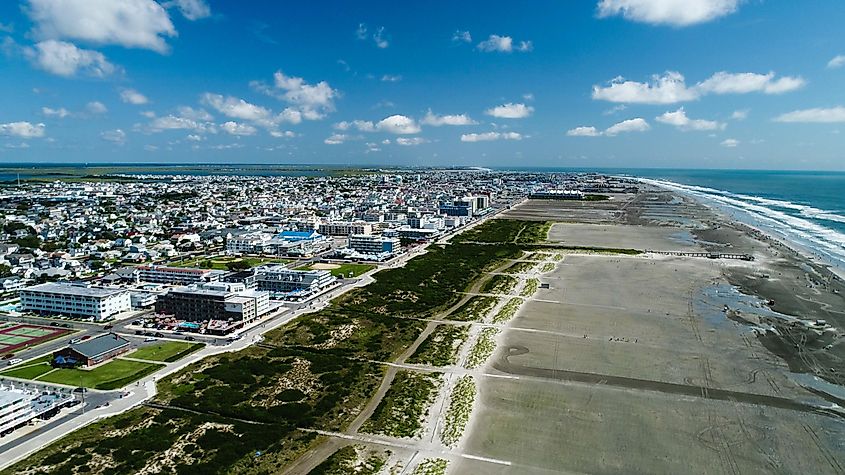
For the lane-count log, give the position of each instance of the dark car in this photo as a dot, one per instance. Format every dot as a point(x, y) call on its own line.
point(190, 338)
point(158, 335)
point(108, 327)
point(80, 390)
point(139, 332)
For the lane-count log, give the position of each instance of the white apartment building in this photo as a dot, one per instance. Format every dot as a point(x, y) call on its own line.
point(340, 228)
point(374, 245)
point(251, 243)
point(175, 275)
point(21, 404)
point(286, 283)
point(75, 300)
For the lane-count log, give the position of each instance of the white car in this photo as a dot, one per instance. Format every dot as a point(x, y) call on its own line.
point(150, 338)
point(14, 361)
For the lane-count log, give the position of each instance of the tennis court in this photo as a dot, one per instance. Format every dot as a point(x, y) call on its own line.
point(16, 336)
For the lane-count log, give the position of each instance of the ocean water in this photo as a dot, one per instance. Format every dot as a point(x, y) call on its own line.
point(803, 208)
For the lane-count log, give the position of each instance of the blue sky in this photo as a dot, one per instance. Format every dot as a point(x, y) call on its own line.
point(610, 83)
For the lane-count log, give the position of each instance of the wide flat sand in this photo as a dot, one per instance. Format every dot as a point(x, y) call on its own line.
point(626, 364)
point(660, 238)
point(542, 428)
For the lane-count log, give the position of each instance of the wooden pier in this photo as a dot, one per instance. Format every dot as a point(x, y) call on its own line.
point(709, 255)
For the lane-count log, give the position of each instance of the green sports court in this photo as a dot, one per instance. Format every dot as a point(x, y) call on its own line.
point(16, 336)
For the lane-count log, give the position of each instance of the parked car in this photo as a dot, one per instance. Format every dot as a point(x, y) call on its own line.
point(149, 338)
point(139, 332)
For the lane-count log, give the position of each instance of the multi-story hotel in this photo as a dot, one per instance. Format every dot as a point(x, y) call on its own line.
point(374, 245)
point(344, 228)
point(19, 404)
point(75, 300)
point(175, 275)
point(218, 301)
point(282, 282)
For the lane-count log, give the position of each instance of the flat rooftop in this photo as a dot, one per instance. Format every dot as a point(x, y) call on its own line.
point(72, 289)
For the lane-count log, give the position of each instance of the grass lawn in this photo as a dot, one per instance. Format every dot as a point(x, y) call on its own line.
point(29, 369)
point(219, 263)
point(345, 269)
point(168, 351)
point(112, 375)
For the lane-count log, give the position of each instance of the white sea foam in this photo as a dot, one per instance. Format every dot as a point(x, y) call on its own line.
point(808, 235)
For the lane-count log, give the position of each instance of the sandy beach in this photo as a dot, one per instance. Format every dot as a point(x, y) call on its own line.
point(659, 363)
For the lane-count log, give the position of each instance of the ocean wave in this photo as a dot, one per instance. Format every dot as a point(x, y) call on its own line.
point(794, 228)
point(805, 210)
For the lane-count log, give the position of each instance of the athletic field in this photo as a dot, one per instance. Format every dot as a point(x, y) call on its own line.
point(16, 336)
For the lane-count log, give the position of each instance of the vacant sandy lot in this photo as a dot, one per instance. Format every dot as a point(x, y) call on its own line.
point(609, 211)
point(623, 236)
point(324, 266)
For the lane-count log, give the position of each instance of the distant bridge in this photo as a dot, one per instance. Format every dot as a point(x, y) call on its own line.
point(709, 255)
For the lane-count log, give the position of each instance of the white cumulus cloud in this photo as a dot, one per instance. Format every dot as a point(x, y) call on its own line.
point(234, 107)
point(307, 101)
point(61, 112)
point(23, 129)
point(631, 125)
point(583, 131)
point(190, 9)
point(129, 23)
point(194, 114)
point(503, 44)
point(336, 139)
point(96, 107)
point(131, 96)
point(836, 62)
point(671, 87)
point(66, 59)
point(398, 124)
point(818, 114)
point(449, 119)
point(743, 83)
point(236, 128)
point(510, 111)
point(490, 136)
point(680, 120)
point(410, 141)
point(667, 89)
point(740, 114)
point(361, 125)
point(668, 12)
point(729, 143)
